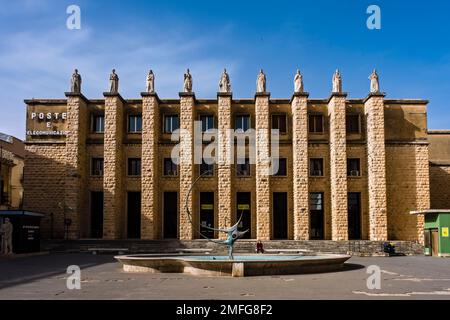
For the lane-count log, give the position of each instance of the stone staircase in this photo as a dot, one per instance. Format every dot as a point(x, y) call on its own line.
point(354, 247)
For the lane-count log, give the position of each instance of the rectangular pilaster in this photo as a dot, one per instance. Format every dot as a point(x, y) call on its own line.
point(299, 105)
point(149, 176)
point(186, 167)
point(338, 167)
point(262, 114)
point(75, 179)
point(113, 205)
point(376, 166)
point(225, 176)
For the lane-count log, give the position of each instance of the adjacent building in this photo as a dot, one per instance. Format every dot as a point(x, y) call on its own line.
point(12, 158)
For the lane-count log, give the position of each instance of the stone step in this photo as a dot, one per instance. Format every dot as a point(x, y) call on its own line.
point(358, 247)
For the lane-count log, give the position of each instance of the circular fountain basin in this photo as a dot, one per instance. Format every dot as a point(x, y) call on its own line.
point(240, 266)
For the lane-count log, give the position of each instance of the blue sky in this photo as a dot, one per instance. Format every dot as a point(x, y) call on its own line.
point(38, 53)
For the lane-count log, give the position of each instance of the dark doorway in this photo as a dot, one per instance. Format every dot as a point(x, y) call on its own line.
point(280, 216)
point(207, 213)
point(354, 215)
point(434, 242)
point(134, 215)
point(317, 220)
point(243, 207)
point(170, 215)
point(96, 215)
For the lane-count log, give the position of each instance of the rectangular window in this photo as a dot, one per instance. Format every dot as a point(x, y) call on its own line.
point(242, 123)
point(97, 167)
point(98, 123)
point(170, 168)
point(134, 166)
point(316, 201)
point(316, 167)
point(135, 123)
point(207, 122)
point(279, 122)
point(317, 219)
point(171, 123)
point(353, 168)
point(207, 170)
point(316, 123)
point(353, 123)
point(243, 169)
point(282, 167)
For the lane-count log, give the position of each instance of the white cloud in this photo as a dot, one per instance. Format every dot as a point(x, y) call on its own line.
point(39, 64)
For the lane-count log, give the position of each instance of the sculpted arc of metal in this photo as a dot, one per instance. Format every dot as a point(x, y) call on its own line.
point(233, 234)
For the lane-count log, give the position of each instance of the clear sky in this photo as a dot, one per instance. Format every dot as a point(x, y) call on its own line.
point(38, 53)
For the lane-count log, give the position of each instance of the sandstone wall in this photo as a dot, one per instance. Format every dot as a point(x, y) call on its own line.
point(44, 185)
point(407, 176)
point(440, 186)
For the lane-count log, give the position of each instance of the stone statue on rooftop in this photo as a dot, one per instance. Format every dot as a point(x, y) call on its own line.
point(261, 82)
point(150, 82)
point(75, 82)
point(337, 82)
point(114, 82)
point(224, 83)
point(298, 82)
point(187, 82)
point(374, 82)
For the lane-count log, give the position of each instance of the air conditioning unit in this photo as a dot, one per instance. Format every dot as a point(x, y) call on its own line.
point(354, 173)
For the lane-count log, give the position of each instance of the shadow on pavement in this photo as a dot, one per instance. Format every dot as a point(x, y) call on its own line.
point(19, 271)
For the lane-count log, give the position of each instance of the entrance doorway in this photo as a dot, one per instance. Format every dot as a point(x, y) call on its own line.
point(134, 215)
point(243, 207)
point(207, 213)
point(434, 242)
point(96, 215)
point(354, 215)
point(317, 220)
point(170, 215)
point(280, 216)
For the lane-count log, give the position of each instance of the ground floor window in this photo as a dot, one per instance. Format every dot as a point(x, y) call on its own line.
point(317, 220)
point(170, 209)
point(207, 213)
point(354, 215)
point(134, 215)
point(243, 208)
point(280, 216)
point(96, 214)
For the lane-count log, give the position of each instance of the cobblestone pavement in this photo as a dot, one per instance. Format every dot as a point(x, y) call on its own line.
point(44, 277)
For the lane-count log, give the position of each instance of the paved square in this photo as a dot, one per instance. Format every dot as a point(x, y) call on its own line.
point(44, 277)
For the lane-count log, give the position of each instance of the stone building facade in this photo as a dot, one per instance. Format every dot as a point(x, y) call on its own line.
point(439, 168)
point(12, 158)
point(349, 169)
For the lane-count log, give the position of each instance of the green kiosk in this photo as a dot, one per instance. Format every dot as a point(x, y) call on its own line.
point(436, 228)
